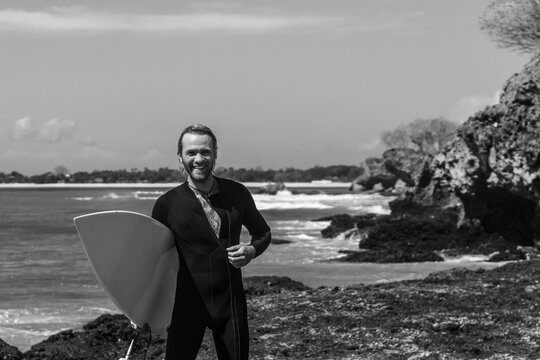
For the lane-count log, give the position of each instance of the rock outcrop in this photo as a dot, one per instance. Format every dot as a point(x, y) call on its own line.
point(491, 171)
point(494, 164)
point(375, 177)
point(398, 170)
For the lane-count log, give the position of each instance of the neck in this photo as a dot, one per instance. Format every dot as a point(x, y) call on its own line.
point(204, 186)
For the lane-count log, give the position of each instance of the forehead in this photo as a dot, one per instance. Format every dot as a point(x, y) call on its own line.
point(196, 141)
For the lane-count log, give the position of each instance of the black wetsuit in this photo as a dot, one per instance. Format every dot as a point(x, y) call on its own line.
point(209, 290)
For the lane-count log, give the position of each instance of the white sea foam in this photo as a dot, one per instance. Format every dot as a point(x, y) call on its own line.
point(83, 198)
point(112, 195)
point(139, 195)
point(283, 200)
point(287, 225)
point(464, 259)
point(356, 202)
point(147, 195)
point(302, 236)
point(373, 209)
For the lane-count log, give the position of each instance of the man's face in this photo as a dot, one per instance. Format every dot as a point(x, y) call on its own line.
point(198, 156)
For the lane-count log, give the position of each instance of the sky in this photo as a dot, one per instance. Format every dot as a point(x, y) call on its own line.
point(105, 85)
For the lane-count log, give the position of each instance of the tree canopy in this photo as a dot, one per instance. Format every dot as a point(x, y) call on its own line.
point(513, 24)
point(344, 173)
point(427, 135)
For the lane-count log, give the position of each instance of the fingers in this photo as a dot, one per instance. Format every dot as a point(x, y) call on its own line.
point(240, 255)
point(234, 249)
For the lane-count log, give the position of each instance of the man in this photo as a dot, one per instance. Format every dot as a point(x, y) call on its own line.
point(206, 215)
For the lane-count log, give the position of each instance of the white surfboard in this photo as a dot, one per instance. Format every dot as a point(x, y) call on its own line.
point(135, 260)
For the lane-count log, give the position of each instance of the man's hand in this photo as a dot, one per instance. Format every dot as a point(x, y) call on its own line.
point(240, 255)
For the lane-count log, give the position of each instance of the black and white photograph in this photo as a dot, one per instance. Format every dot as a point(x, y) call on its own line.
point(267, 180)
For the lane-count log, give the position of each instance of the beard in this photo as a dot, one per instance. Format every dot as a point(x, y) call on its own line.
point(196, 175)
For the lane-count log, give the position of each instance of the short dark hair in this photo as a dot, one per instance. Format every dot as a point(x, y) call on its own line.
point(200, 130)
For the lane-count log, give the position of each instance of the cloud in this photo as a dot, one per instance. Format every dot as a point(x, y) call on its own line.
point(17, 154)
point(152, 154)
point(468, 106)
point(83, 21)
point(87, 140)
point(52, 131)
point(383, 22)
point(24, 129)
point(80, 20)
point(92, 152)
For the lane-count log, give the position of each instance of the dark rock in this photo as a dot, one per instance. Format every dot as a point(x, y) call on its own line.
point(342, 223)
point(414, 233)
point(423, 233)
point(432, 235)
point(279, 241)
point(8, 352)
point(407, 207)
point(339, 224)
point(389, 256)
point(502, 212)
point(261, 285)
point(106, 337)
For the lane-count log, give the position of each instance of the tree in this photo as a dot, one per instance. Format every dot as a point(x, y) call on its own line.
point(398, 138)
point(61, 170)
point(427, 135)
point(513, 24)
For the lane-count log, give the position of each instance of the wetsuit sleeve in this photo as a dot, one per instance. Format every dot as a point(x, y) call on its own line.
point(256, 225)
point(159, 212)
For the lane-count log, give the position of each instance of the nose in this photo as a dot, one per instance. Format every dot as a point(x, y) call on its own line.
point(199, 157)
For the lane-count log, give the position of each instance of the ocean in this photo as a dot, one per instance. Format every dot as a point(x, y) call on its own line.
point(47, 284)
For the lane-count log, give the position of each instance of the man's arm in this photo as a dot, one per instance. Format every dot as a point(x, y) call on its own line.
point(240, 255)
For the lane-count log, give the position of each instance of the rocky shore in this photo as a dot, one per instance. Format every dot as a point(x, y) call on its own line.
point(456, 314)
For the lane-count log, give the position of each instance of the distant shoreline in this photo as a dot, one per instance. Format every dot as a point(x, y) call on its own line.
point(290, 185)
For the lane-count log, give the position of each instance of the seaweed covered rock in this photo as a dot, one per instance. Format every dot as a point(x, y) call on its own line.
point(8, 352)
point(455, 314)
point(344, 223)
point(383, 256)
point(107, 337)
point(262, 285)
point(417, 233)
